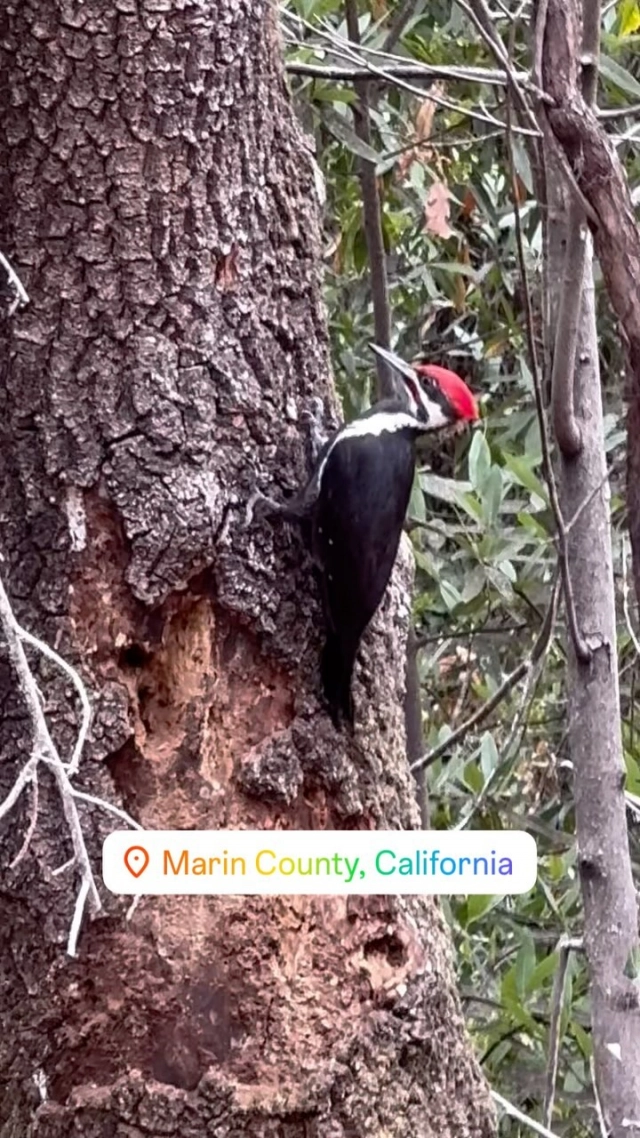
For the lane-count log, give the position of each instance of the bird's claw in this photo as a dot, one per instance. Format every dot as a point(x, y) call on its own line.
point(259, 504)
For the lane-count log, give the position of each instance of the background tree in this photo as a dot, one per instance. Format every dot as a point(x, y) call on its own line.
point(484, 544)
point(159, 205)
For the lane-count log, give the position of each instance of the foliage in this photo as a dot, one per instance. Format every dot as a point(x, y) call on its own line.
point(480, 519)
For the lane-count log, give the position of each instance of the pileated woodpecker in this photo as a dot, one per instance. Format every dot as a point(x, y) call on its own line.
point(354, 507)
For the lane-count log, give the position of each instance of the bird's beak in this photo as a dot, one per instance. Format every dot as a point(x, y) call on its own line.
point(396, 362)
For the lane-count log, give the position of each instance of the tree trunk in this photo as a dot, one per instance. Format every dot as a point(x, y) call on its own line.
point(600, 176)
point(158, 203)
point(595, 742)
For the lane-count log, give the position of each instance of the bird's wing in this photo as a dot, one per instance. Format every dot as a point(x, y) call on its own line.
point(362, 504)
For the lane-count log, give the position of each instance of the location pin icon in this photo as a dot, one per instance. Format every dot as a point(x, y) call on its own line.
point(136, 860)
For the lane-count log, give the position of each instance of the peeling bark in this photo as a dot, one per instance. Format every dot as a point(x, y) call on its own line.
point(158, 202)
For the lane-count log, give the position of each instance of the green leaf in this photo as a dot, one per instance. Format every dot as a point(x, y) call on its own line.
point(416, 502)
point(456, 268)
point(474, 584)
point(542, 971)
point(326, 93)
point(583, 1040)
point(500, 582)
point(473, 777)
point(445, 489)
point(479, 903)
point(513, 1002)
point(532, 525)
point(479, 460)
point(450, 595)
point(524, 963)
point(489, 757)
point(628, 17)
point(523, 474)
point(341, 130)
point(471, 506)
point(619, 76)
point(492, 494)
point(427, 563)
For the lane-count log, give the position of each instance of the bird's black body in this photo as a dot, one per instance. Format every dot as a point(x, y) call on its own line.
point(353, 508)
point(356, 526)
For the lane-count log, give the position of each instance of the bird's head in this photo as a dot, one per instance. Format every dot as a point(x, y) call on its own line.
point(436, 395)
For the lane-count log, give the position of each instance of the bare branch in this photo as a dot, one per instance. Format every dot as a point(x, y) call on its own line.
point(402, 70)
point(602, 1125)
point(538, 42)
point(27, 637)
point(344, 51)
point(625, 599)
point(78, 913)
point(564, 948)
point(480, 16)
point(604, 861)
point(513, 1112)
point(33, 782)
point(400, 20)
point(15, 286)
point(44, 750)
point(25, 777)
point(372, 212)
point(108, 806)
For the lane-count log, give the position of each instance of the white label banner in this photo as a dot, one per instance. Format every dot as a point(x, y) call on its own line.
point(319, 861)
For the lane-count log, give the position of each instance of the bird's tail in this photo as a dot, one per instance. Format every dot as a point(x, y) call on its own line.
point(336, 668)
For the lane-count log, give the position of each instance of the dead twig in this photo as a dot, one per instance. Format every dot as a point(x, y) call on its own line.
point(514, 1112)
point(602, 1125)
point(33, 782)
point(43, 749)
point(15, 285)
point(565, 947)
point(625, 599)
point(401, 18)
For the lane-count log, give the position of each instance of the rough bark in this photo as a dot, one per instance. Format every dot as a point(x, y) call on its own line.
point(600, 177)
point(610, 916)
point(158, 202)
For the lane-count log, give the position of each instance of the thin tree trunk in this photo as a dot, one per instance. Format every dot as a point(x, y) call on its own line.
point(158, 203)
point(600, 177)
point(610, 918)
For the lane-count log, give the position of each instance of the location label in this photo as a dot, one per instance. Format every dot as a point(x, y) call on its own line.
point(136, 860)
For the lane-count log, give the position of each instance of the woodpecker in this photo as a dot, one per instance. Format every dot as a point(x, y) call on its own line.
point(354, 505)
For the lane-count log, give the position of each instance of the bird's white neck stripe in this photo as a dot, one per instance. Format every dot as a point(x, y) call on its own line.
point(375, 425)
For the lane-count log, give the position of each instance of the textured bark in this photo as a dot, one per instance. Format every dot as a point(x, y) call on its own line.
point(610, 912)
point(158, 202)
